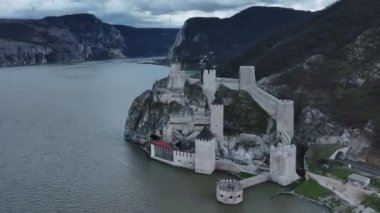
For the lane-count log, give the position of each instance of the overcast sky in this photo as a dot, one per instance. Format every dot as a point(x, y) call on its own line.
point(145, 13)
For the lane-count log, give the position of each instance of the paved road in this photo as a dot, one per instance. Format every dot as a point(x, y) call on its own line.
point(361, 166)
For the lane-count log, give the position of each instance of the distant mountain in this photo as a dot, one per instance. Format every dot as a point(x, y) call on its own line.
point(145, 42)
point(331, 68)
point(77, 37)
point(210, 41)
point(329, 65)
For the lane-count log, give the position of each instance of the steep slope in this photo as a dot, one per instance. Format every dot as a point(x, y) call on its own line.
point(211, 40)
point(58, 39)
point(330, 67)
point(77, 37)
point(145, 42)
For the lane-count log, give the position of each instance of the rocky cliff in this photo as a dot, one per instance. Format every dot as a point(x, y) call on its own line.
point(146, 42)
point(78, 37)
point(210, 41)
point(249, 130)
point(328, 65)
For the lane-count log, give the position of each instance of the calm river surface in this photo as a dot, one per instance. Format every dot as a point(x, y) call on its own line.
point(62, 148)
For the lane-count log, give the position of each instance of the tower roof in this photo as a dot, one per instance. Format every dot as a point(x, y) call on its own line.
point(217, 101)
point(206, 134)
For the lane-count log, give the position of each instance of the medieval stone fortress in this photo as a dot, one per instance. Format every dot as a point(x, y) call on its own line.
point(208, 132)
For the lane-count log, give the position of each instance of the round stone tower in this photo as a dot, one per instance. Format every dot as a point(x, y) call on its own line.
point(229, 191)
point(205, 145)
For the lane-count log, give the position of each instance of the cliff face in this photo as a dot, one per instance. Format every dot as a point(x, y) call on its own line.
point(212, 40)
point(328, 65)
point(145, 42)
point(78, 37)
point(147, 115)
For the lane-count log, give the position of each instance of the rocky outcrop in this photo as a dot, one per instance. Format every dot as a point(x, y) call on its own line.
point(249, 130)
point(20, 53)
point(78, 37)
point(148, 115)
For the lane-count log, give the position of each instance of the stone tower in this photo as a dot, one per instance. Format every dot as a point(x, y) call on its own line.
point(176, 80)
point(217, 118)
point(167, 133)
point(209, 84)
point(247, 77)
point(283, 164)
point(205, 145)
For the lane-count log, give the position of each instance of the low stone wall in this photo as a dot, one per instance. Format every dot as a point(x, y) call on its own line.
point(184, 159)
point(227, 166)
point(255, 180)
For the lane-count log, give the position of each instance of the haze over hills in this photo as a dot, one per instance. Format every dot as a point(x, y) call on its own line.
point(77, 37)
point(328, 65)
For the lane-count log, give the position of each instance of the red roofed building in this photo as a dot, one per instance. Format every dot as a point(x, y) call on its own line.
point(163, 144)
point(161, 149)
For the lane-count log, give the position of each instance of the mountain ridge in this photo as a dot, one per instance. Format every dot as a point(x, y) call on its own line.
point(75, 37)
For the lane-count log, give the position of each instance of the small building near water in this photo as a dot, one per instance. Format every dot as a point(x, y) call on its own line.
point(359, 180)
point(202, 160)
point(229, 191)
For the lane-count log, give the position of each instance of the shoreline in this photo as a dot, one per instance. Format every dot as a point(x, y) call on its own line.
point(154, 60)
point(287, 193)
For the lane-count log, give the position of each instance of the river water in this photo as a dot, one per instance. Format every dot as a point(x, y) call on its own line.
point(62, 148)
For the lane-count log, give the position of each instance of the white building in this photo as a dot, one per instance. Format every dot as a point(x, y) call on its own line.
point(177, 79)
point(205, 145)
point(359, 180)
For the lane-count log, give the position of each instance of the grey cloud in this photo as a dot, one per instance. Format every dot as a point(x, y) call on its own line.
point(157, 13)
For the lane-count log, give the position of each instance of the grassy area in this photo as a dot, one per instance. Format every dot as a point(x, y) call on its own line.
point(322, 151)
point(245, 175)
point(336, 170)
point(312, 189)
point(373, 201)
point(375, 182)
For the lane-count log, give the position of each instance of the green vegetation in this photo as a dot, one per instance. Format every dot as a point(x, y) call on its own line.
point(241, 112)
point(245, 175)
point(322, 151)
point(319, 154)
point(336, 170)
point(375, 182)
point(312, 189)
point(373, 201)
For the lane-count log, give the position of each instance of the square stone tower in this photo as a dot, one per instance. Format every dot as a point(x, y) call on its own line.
point(209, 84)
point(247, 77)
point(283, 164)
point(205, 146)
point(177, 79)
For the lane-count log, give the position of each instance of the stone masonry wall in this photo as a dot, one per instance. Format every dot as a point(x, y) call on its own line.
point(281, 110)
